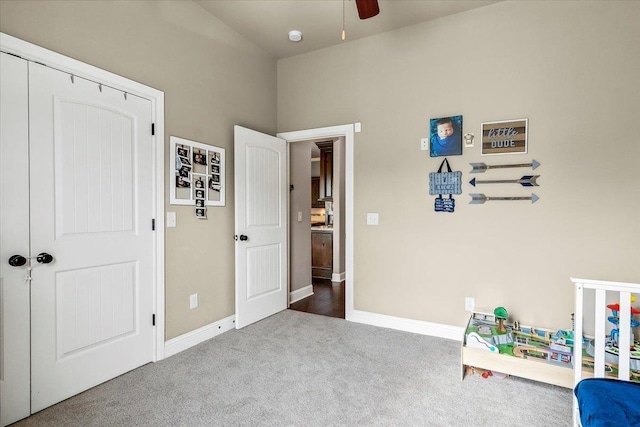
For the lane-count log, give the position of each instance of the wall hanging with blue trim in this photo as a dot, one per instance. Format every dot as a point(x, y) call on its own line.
point(447, 182)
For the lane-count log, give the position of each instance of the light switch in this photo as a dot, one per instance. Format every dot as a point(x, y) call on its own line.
point(372, 219)
point(424, 144)
point(299, 216)
point(193, 301)
point(171, 219)
point(357, 127)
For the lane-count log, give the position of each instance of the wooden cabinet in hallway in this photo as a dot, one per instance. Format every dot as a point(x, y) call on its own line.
point(322, 253)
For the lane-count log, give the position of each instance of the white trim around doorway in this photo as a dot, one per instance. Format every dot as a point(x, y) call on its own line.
point(31, 52)
point(347, 131)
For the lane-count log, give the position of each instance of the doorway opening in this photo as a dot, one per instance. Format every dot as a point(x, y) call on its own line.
point(320, 220)
point(327, 299)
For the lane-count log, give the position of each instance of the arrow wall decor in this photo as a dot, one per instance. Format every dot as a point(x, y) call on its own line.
point(483, 167)
point(479, 199)
point(525, 181)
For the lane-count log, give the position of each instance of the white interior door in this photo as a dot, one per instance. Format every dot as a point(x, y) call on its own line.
point(260, 165)
point(14, 239)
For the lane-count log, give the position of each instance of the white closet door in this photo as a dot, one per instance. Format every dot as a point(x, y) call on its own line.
point(91, 209)
point(14, 239)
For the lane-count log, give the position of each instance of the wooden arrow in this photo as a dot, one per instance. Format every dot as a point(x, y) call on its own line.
point(525, 181)
point(478, 199)
point(483, 167)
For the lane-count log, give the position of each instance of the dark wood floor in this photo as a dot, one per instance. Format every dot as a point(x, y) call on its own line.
point(327, 299)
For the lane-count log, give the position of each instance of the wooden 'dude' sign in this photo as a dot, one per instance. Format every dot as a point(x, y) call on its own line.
point(505, 137)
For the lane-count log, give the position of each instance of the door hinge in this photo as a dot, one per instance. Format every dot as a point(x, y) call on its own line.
point(153, 128)
point(153, 224)
point(153, 320)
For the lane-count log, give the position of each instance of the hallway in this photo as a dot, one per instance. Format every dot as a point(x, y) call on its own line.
point(327, 299)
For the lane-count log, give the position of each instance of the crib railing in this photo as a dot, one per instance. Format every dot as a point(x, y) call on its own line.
point(601, 287)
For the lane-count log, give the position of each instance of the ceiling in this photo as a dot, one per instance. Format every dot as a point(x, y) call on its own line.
point(267, 22)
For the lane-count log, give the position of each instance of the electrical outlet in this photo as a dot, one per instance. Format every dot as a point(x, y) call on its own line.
point(193, 301)
point(424, 144)
point(469, 303)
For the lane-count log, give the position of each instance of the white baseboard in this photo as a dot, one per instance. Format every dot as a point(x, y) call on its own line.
point(188, 340)
point(338, 277)
point(301, 293)
point(408, 325)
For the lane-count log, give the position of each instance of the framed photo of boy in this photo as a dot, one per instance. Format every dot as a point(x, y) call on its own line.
point(445, 136)
point(504, 137)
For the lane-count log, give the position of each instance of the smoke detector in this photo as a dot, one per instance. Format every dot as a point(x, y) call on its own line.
point(295, 35)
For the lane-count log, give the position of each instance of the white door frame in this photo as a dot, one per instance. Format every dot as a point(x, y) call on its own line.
point(52, 59)
point(347, 131)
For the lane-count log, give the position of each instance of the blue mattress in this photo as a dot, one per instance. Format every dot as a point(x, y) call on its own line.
point(607, 402)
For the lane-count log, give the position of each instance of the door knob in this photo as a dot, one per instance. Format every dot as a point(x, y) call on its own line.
point(243, 238)
point(17, 261)
point(44, 258)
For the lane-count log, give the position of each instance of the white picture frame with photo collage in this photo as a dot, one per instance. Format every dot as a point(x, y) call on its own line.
point(197, 175)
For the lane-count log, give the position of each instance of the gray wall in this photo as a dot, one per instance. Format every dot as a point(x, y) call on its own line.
point(212, 79)
point(300, 201)
point(315, 169)
point(572, 69)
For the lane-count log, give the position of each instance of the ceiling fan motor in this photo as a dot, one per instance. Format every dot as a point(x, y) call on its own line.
point(367, 8)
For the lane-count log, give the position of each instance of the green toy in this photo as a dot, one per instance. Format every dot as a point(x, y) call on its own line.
point(501, 316)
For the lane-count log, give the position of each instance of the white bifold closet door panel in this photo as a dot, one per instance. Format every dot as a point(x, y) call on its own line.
point(14, 239)
point(91, 208)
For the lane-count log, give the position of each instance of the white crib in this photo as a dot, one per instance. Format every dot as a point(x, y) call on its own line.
point(622, 293)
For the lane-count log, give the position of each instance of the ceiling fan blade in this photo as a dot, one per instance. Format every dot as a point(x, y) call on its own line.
point(367, 8)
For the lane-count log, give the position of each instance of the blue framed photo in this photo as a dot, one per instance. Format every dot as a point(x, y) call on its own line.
point(445, 136)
